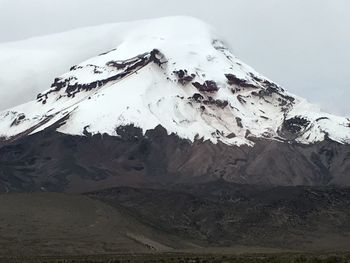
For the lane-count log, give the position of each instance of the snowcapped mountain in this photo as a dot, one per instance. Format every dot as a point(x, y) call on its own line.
point(168, 104)
point(177, 73)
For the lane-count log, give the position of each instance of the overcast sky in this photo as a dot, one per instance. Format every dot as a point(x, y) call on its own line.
point(304, 45)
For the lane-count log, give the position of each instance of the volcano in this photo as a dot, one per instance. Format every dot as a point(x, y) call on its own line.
point(169, 104)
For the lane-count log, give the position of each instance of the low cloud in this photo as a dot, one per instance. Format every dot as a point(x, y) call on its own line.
point(303, 45)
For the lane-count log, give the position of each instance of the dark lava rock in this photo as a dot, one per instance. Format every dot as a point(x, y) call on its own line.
point(197, 97)
point(239, 122)
point(208, 86)
point(296, 124)
point(19, 119)
point(218, 103)
point(183, 76)
point(233, 80)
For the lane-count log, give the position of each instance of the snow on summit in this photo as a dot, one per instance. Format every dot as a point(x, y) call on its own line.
point(177, 73)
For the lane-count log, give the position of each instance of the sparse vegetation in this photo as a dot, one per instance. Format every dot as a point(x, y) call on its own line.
point(191, 258)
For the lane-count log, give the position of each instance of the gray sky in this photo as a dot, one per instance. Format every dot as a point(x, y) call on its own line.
point(304, 45)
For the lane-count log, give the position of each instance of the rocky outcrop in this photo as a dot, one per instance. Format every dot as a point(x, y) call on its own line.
point(124, 68)
point(294, 127)
point(233, 80)
point(183, 76)
point(208, 86)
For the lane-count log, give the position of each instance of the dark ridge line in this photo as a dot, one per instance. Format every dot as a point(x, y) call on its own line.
point(132, 65)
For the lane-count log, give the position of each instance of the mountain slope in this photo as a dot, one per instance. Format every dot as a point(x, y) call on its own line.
point(52, 161)
point(177, 73)
point(170, 104)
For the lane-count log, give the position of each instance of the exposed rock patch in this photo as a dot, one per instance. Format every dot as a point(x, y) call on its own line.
point(208, 86)
point(233, 80)
point(20, 118)
point(72, 86)
point(183, 76)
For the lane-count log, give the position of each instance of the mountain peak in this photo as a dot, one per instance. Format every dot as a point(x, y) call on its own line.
point(177, 73)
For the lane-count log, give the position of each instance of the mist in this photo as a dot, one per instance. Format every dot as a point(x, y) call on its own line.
point(302, 45)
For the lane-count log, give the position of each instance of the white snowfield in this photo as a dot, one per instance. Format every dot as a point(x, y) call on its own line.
point(177, 73)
